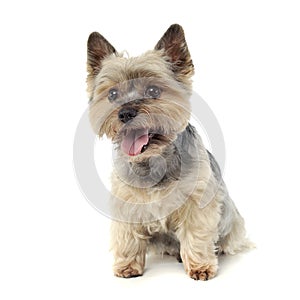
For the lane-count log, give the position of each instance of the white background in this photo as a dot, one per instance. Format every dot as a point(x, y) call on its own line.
point(53, 244)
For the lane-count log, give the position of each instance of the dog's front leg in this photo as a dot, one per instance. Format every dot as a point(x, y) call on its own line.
point(129, 249)
point(198, 256)
point(197, 234)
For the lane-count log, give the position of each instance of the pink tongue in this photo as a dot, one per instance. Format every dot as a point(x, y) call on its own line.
point(134, 141)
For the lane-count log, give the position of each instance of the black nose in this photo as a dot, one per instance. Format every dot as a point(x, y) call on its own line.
point(126, 114)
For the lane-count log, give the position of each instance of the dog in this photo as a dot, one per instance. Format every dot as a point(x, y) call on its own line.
point(167, 191)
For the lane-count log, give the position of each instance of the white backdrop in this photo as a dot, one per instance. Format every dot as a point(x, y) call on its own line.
point(53, 244)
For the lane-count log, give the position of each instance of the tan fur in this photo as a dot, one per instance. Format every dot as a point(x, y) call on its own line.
point(194, 210)
point(195, 227)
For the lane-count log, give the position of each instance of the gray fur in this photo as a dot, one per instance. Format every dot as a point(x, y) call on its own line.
point(165, 243)
point(228, 209)
point(176, 162)
point(215, 167)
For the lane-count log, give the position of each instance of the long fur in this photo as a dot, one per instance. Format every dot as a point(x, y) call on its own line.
point(171, 198)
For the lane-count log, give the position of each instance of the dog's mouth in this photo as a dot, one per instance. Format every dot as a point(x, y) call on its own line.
point(136, 142)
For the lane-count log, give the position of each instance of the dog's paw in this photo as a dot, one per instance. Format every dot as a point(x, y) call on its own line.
point(203, 272)
point(128, 272)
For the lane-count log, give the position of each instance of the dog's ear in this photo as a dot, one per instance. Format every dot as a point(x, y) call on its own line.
point(174, 45)
point(97, 49)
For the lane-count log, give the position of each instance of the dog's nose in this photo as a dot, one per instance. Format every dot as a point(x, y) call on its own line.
point(126, 114)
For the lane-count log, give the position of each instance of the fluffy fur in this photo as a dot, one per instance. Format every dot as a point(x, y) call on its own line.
point(169, 195)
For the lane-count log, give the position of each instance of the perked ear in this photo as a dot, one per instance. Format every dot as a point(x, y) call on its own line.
point(174, 45)
point(97, 49)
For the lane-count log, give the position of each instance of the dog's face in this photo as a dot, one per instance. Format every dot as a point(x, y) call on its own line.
point(141, 103)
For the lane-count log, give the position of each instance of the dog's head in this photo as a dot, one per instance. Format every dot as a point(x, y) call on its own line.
point(141, 103)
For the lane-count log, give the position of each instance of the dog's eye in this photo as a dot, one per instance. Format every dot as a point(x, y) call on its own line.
point(113, 94)
point(152, 92)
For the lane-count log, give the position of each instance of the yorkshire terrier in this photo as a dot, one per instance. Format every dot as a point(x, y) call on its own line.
point(167, 190)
